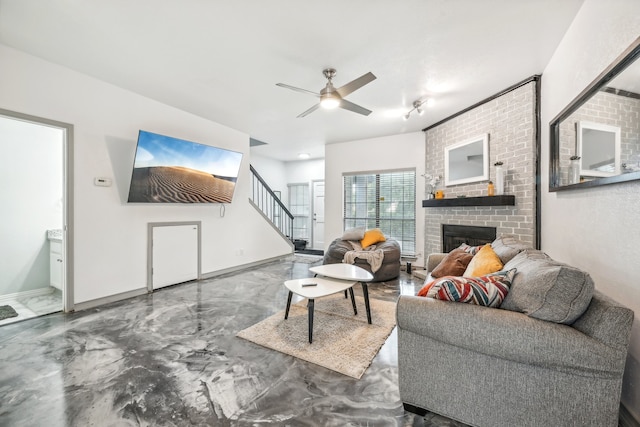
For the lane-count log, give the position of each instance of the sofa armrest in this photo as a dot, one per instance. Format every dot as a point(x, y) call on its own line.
point(509, 335)
point(433, 260)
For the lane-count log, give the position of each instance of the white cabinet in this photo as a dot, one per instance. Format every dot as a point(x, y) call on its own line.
point(55, 263)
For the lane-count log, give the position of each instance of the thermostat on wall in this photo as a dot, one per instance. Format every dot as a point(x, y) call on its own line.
point(102, 182)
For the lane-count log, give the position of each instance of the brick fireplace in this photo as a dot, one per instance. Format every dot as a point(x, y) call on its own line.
point(510, 119)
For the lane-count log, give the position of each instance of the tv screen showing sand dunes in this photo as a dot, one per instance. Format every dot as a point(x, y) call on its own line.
point(171, 170)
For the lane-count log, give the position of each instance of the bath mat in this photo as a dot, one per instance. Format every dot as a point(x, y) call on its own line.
point(6, 311)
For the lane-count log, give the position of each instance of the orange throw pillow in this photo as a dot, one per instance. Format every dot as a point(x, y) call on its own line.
point(372, 237)
point(484, 262)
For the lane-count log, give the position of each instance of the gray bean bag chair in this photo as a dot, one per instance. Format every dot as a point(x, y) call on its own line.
point(390, 268)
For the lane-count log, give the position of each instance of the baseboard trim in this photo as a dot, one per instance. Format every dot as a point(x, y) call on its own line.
point(108, 300)
point(26, 294)
point(241, 267)
point(626, 418)
point(142, 291)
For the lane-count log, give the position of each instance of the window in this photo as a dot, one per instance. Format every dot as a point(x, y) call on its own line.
point(384, 200)
point(299, 208)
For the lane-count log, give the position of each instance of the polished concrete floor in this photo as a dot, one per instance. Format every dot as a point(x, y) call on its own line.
point(171, 358)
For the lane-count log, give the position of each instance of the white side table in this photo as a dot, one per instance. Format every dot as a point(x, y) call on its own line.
point(348, 272)
point(317, 287)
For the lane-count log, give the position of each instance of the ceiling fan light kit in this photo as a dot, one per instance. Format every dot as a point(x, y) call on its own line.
point(417, 107)
point(330, 97)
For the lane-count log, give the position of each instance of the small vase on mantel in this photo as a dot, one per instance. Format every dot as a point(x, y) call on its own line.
point(574, 170)
point(499, 183)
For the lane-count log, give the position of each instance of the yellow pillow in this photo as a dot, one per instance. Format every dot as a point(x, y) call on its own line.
point(484, 262)
point(372, 237)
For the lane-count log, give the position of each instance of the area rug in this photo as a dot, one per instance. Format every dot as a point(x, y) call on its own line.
point(6, 311)
point(342, 341)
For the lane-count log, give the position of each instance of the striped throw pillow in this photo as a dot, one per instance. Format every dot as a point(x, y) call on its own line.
point(489, 290)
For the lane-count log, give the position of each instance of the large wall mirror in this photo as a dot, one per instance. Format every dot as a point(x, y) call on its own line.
point(467, 161)
point(600, 129)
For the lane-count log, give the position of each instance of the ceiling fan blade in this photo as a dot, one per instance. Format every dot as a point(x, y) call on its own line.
point(297, 89)
point(309, 111)
point(354, 107)
point(355, 84)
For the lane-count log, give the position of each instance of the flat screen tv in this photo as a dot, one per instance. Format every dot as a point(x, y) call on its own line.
point(171, 170)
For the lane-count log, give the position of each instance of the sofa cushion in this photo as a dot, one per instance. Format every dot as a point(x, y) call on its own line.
point(484, 262)
point(371, 237)
point(470, 249)
point(489, 290)
point(453, 264)
point(547, 289)
point(507, 246)
point(353, 234)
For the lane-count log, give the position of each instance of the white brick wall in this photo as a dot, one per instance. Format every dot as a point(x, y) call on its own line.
point(510, 122)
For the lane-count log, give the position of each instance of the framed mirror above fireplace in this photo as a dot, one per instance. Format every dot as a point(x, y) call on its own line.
point(467, 161)
point(600, 128)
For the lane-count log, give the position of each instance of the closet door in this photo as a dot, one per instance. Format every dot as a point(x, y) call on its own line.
point(174, 254)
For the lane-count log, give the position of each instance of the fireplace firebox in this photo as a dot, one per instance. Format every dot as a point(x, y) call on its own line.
point(455, 235)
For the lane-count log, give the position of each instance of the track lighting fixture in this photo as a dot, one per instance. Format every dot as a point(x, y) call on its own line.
point(417, 107)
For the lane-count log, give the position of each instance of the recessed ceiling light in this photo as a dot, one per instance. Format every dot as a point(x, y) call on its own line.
point(303, 156)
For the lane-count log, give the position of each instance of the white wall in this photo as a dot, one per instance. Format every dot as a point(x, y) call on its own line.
point(279, 174)
point(31, 194)
point(110, 236)
point(377, 154)
point(595, 229)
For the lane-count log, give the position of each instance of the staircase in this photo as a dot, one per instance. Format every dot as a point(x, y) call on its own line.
point(271, 207)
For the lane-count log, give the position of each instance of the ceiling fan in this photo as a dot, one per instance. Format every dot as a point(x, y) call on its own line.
point(331, 97)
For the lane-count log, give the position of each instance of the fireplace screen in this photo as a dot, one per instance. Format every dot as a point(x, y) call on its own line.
point(455, 235)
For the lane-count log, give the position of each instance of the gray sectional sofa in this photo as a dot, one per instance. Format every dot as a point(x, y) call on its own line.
point(553, 354)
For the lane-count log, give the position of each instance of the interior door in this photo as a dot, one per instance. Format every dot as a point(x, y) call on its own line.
point(174, 255)
point(318, 215)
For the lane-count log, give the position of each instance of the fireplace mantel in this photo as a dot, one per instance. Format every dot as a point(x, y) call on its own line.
point(504, 200)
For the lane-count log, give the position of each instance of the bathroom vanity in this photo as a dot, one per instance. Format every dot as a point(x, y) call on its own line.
point(55, 258)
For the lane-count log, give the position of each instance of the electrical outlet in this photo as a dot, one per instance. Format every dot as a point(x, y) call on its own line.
point(102, 182)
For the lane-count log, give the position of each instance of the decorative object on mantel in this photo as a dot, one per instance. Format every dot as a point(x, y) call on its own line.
point(574, 170)
point(504, 200)
point(439, 194)
point(499, 184)
point(431, 181)
point(490, 189)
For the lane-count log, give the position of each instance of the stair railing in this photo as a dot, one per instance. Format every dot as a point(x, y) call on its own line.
point(270, 205)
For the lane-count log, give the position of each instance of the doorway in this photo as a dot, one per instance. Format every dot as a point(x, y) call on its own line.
point(36, 259)
point(318, 215)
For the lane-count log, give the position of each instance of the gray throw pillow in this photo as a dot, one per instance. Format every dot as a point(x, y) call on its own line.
point(547, 289)
point(354, 234)
point(507, 246)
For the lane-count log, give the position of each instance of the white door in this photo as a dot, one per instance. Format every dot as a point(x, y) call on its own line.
point(318, 215)
point(174, 254)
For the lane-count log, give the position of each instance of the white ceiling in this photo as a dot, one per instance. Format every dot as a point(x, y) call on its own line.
point(222, 59)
